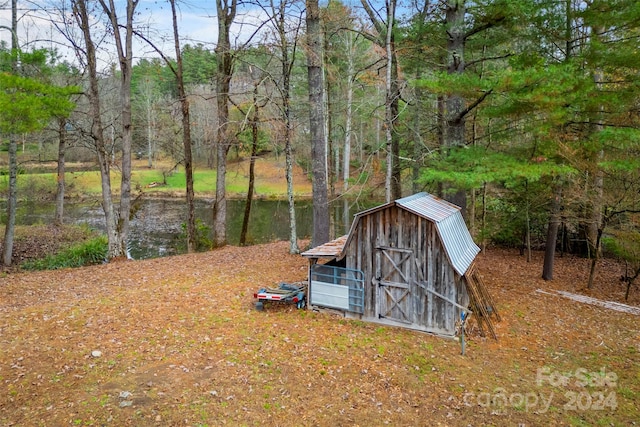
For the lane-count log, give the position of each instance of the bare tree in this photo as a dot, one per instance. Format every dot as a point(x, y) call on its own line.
point(178, 72)
point(186, 136)
point(226, 14)
point(391, 110)
point(316, 125)
point(83, 15)
point(147, 98)
point(60, 178)
point(287, 46)
point(253, 117)
point(351, 76)
point(385, 38)
point(125, 59)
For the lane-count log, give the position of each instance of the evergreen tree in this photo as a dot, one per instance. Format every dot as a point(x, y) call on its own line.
point(27, 104)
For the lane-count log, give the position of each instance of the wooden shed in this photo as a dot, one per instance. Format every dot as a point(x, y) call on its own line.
point(407, 263)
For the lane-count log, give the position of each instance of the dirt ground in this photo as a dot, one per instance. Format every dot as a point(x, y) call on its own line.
point(177, 341)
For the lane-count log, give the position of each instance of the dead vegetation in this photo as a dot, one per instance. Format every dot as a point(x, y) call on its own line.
point(177, 342)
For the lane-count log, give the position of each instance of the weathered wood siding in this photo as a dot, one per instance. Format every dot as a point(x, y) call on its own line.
point(428, 269)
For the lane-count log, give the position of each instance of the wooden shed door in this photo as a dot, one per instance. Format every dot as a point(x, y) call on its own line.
point(393, 278)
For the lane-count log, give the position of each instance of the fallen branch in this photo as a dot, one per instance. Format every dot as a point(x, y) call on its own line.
point(612, 305)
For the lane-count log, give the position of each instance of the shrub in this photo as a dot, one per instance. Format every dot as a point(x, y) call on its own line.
point(91, 252)
point(203, 231)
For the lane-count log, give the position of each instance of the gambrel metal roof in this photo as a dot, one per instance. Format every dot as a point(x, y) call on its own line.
point(456, 239)
point(450, 224)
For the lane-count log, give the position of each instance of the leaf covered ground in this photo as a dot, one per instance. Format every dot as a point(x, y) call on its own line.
point(177, 341)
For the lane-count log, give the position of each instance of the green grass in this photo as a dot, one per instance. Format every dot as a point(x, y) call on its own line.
point(91, 252)
point(89, 183)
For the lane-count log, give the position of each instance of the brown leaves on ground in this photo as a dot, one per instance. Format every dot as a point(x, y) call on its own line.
point(177, 342)
point(37, 241)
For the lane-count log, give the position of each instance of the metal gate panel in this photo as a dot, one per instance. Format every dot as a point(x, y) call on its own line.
point(337, 287)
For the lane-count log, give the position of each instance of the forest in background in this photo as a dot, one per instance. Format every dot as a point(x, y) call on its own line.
point(525, 113)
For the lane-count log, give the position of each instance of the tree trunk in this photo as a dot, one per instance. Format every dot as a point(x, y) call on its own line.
point(12, 203)
point(629, 280)
point(527, 239)
point(454, 121)
point(332, 151)
point(597, 195)
point(252, 163)
point(226, 15)
point(441, 120)
point(346, 152)
point(417, 146)
point(95, 114)
point(389, 115)
point(396, 167)
point(287, 65)
point(12, 200)
point(484, 216)
point(316, 126)
point(594, 260)
point(220, 205)
point(127, 130)
point(125, 59)
point(293, 234)
point(386, 40)
point(186, 137)
point(62, 144)
point(552, 234)
point(149, 133)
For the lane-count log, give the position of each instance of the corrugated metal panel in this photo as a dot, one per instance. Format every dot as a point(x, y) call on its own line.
point(428, 206)
point(447, 217)
point(458, 242)
point(451, 227)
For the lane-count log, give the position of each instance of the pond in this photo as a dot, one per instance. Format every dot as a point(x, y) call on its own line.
point(157, 228)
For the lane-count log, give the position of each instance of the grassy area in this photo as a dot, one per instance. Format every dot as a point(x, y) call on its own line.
point(38, 242)
point(91, 252)
point(270, 181)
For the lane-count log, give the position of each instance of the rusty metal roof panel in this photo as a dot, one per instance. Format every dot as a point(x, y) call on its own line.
point(330, 249)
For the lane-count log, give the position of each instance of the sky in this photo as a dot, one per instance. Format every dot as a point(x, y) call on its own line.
point(197, 24)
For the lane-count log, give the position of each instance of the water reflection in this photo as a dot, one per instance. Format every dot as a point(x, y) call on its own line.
point(157, 224)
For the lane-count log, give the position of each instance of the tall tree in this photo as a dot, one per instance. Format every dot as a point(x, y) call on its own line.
point(83, 13)
point(58, 218)
point(177, 70)
point(27, 105)
point(253, 117)
point(556, 202)
point(287, 44)
point(227, 10)
point(352, 73)
point(384, 37)
point(124, 48)
point(454, 116)
point(316, 125)
point(186, 135)
point(393, 189)
point(12, 200)
point(64, 74)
